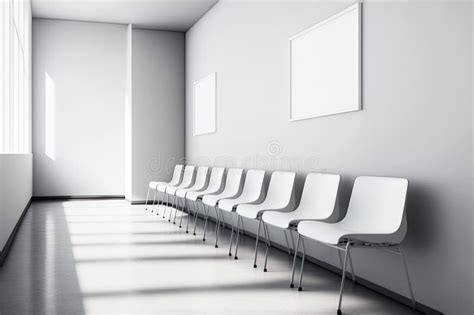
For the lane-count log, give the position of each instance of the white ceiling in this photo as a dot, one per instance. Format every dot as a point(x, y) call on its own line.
point(173, 15)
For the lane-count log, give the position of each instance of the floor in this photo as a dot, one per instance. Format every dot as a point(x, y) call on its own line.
point(107, 257)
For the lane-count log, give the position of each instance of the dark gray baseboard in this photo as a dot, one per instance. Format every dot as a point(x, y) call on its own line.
point(11, 238)
point(81, 197)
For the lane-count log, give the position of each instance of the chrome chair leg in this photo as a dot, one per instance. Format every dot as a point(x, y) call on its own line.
point(300, 288)
point(172, 206)
point(217, 225)
point(146, 200)
point(344, 268)
point(294, 261)
point(231, 233)
point(238, 237)
point(256, 243)
point(189, 215)
point(287, 243)
point(153, 204)
point(268, 245)
point(206, 211)
point(196, 207)
point(292, 240)
point(183, 204)
point(166, 204)
point(350, 262)
point(178, 207)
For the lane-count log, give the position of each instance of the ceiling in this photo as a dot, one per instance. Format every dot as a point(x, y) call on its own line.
point(172, 15)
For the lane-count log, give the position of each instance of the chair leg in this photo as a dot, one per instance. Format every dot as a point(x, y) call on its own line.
point(292, 240)
point(166, 204)
point(300, 287)
point(231, 233)
point(412, 295)
point(256, 243)
point(153, 204)
point(268, 245)
point(206, 211)
point(146, 200)
point(183, 204)
point(217, 225)
point(189, 214)
point(171, 210)
point(238, 237)
point(294, 261)
point(196, 206)
point(344, 268)
point(350, 262)
point(178, 207)
point(287, 243)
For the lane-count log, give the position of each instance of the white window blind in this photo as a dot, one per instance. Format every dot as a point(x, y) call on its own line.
point(15, 59)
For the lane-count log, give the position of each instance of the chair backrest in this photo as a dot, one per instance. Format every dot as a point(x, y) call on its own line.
point(253, 184)
point(188, 176)
point(201, 177)
point(280, 190)
point(377, 205)
point(216, 179)
point(178, 171)
point(233, 181)
point(319, 196)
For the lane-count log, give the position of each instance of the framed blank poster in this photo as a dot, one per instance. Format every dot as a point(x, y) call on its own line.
point(325, 72)
point(204, 105)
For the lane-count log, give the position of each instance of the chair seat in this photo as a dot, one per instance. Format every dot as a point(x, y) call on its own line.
point(253, 211)
point(172, 189)
point(229, 204)
point(182, 192)
point(284, 219)
point(193, 195)
point(153, 185)
point(333, 233)
point(212, 200)
point(162, 186)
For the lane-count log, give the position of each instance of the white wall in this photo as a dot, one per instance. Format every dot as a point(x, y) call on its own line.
point(16, 186)
point(157, 108)
point(416, 123)
point(78, 108)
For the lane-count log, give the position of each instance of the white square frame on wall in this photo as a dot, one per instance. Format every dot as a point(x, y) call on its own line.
point(205, 105)
point(325, 66)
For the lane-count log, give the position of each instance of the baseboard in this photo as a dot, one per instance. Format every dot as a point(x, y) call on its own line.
point(74, 197)
point(8, 245)
point(363, 282)
point(142, 202)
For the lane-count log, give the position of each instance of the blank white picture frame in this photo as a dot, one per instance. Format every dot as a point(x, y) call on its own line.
point(325, 67)
point(205, 104)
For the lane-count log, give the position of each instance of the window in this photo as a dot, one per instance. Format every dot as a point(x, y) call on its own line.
point(15, 73)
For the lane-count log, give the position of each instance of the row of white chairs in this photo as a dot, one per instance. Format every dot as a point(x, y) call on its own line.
point(375, 217)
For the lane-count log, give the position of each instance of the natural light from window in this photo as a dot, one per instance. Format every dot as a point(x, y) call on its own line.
point(15, 72)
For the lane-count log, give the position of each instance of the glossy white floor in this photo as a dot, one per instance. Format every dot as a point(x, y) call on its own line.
point(107, 257)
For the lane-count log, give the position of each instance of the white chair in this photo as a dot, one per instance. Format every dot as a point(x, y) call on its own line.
point(318, 202)
point(232, 188)
point(253, 191)
point(280, 197)
point(175, 180)
point(214, 187)
point(202, 178)
point(188, 181)
point(375, 218)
